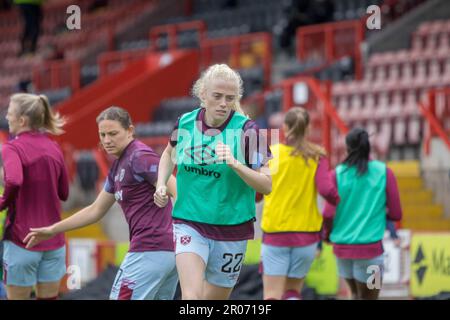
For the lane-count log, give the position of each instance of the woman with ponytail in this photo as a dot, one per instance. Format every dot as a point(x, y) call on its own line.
point(291, 220)
point(148, 270)
point(35, 182)
point(356, 226)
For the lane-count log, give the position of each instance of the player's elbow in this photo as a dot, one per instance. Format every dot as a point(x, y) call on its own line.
point(13, 182)
point(96, 212)
point(64, 195)
point(266, 188)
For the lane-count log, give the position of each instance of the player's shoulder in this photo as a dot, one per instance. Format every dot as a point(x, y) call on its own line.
point(9, 146)
point(251, 126)
point(142, 150)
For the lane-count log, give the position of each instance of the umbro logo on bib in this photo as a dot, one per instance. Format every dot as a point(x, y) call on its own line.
point(203, 172)
point(202, 155)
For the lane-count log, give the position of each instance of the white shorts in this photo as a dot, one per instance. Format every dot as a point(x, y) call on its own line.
point(292, 262)
point(25, 268)
point(149, 275)
point(223, 259)
point(361, 269)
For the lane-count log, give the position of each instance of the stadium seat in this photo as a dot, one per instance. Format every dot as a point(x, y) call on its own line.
point(399, 131)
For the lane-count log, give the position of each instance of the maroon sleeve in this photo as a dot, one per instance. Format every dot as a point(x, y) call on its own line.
point(174, 135)
point(329, 212)
point(145, 167)
point(392, 197)
point(12, 166)
point(324, 184)
point(109, 183)
point(63, 184)
point(330, 209)
point(256, 154)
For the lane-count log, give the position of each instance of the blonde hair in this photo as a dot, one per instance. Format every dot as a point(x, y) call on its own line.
point(297, 121)
point(37, 109)
point(219, 71)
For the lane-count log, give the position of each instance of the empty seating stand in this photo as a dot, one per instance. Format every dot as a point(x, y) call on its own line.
point(355, 9)
point(57, 95)
point(394, 82)
point(343, 69)
point(96, 24)
point(171, 109)
point(87, 170)
point(352, 9)
point(253, 79)
point(166, 116)
point(246, 16)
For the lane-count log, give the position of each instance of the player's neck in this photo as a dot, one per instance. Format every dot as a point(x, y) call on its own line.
point(120, 153)
point(210, 122)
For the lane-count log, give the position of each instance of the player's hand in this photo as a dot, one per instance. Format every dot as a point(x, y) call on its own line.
point(224, 154)
point(37, 235)
point(160, 196)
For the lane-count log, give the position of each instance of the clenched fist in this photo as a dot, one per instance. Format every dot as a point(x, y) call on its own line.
point(160, 196)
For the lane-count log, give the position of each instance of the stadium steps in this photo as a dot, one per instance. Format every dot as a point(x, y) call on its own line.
point(93, 231)
point(396, 36)
point(420, 212)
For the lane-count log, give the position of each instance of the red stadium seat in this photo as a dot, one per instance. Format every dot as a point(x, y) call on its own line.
point(414, 130)
point(420, 76)
point(383, 140)
point(397, 106)
point(382, 109)
point(399, 131)
point(407, 73)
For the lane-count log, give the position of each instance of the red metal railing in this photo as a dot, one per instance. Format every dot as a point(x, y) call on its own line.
point(328, 42)
point(114, 61)
point(324, 118)
point(57, 74)
point(437, 116)
point(173, 30)
point(318, 100)
point(105, 25)
point(243, 51)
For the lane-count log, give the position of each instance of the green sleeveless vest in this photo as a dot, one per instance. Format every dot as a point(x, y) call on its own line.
point(212, 192)
point(361, 213)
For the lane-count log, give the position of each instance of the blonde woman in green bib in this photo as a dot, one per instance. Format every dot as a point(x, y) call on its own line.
point(221, 162)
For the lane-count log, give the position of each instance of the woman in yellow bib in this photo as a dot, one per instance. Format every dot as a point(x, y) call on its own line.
point(291, 220)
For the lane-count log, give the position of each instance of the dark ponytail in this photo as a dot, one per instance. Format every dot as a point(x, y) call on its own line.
point(358, 149)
